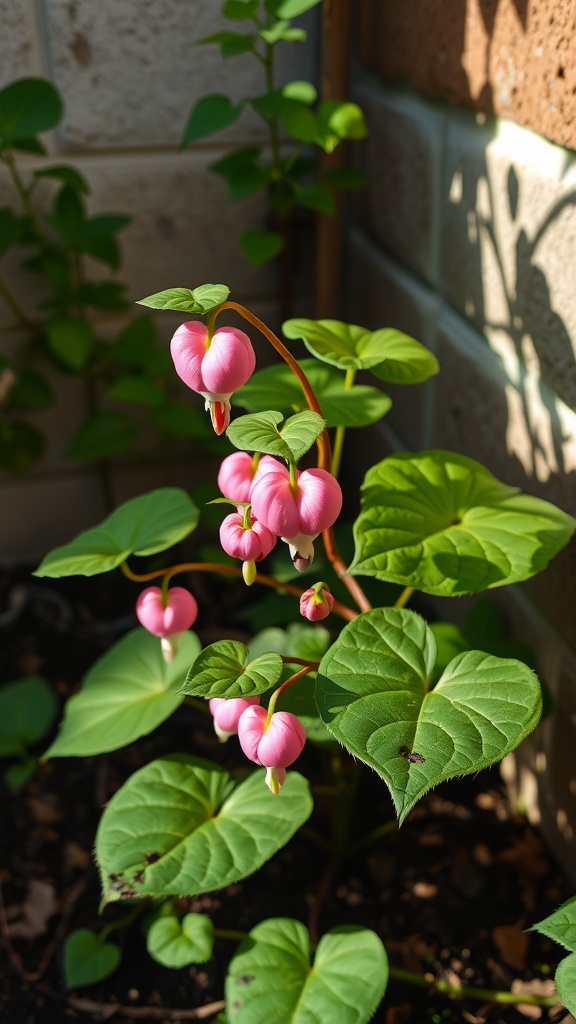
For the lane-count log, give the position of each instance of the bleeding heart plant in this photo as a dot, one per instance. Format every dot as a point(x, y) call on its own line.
point(371, 691)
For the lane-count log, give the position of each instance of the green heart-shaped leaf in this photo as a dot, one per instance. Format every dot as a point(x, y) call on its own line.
point(181, 825)
point(126, 694)
point(174, 943)
point(561, 925)
point(389, 354)
point(28, 106)
point(357, 406)
point(210, 114)
point(441, 523)
point(272, 976)
point(373, 693)
point(220, 671)
point(259, 432)
point(188, 300)
point(565, 980)
point(142, 526)
point(27, 709)
point(260, 246)
point(87, 958)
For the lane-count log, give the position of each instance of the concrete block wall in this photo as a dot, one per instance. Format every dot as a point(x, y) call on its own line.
point(129, 74)
point(465, 238)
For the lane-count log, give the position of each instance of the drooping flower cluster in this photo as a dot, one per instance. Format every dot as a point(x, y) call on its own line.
point(295, 506)
point(282, 502)
point(273, 740)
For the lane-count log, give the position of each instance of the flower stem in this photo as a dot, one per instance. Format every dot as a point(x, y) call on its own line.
point(464, 992)
point(126, 921)
point(404, 597)
point(293, 679)
point(341, 431)
point(323, 442)
point(229, 933)
point(229, 570)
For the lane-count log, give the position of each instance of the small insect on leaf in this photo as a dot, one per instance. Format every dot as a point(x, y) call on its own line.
point(411, 756)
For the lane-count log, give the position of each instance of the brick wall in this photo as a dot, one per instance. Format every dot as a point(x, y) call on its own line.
point(466, 239)
point(128, 74)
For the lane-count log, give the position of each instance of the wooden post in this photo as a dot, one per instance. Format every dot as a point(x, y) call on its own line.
point(335, 40)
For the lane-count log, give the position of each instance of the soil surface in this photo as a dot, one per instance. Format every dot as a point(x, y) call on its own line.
point(451, 893)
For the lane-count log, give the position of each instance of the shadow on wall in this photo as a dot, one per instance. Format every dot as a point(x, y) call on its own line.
point(497, 261)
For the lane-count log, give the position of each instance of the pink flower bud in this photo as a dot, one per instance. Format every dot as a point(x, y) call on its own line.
point(214, 367)
point(276, 744)
point(163, 619)
point(226, 712)
point(316, 603)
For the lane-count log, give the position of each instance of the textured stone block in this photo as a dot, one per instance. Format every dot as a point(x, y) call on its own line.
point(130, 74)
point(401, 157)
point(501, 415)
point(17, 42)
point(508, 235)
point(505, 57)
point(383, 294)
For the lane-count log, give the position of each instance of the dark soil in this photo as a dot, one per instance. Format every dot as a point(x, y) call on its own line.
point(452, 893)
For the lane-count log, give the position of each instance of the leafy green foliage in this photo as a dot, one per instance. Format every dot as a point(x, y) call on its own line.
point(142, 526)
point(126, 694)
point(181, 824)
point(345, 982)
point(444, 524)
point(259, 432)
point(289, 8)
point(27, 710)
point(210, 114)
point(242, 172)
point(93, 235)
point(260, 246)
point(484, 629)
point(374, 694)
point(30, 391)
point(565, 979)
point(196, 300)
point(60, 326)
point(357, 406)
point(561, 926)
point(389, 354)
point(286, 111)
point(21, 445)
point(220, 671)
point(71, 340)
point(69, 175)
point(177, 943)
point(88, 958)
point(231, 44)
point(103, 434)
point(27, 106)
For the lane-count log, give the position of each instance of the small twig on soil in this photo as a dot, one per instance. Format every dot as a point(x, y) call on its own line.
point(107, 1010)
